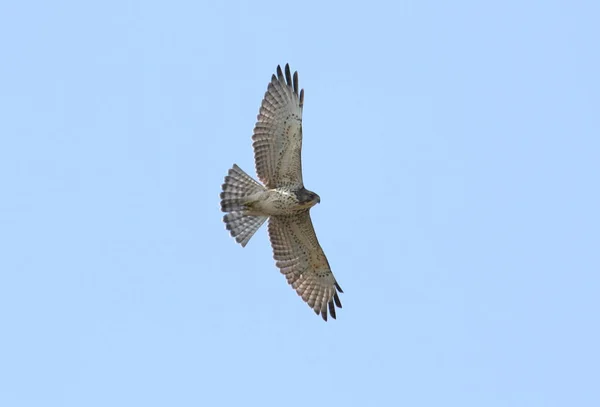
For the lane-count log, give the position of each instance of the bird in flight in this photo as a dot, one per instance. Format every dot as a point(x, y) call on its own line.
point(282, 198)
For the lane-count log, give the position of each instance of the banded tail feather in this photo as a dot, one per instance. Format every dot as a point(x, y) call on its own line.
point(242, 227)
point(237, 186)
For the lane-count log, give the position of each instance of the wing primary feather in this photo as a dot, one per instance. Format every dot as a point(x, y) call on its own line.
point(324, 314)
point(337, 300)
point(296, 82)
point(288, 75)
point(338, 287)
point(279, 72)
point(332, 309)
point(302, 98)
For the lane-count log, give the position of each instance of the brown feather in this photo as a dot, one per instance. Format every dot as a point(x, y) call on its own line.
point(301, 259)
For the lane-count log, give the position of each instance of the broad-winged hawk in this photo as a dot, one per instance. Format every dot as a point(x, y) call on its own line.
point(283, 200)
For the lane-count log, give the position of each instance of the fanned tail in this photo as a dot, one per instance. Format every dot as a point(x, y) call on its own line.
point(242, 227)
point(237, 186)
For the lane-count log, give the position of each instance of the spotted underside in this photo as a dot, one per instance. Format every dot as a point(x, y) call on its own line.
point(277, 138)
point(300, 258)
point(277, 143)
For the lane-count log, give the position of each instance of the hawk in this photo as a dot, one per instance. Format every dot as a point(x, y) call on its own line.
point(282, 198)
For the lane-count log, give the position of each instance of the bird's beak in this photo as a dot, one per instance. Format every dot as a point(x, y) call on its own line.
point(318, 199)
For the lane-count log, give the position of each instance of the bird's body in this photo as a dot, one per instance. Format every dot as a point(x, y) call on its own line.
point(276, 202)
point(282, 199)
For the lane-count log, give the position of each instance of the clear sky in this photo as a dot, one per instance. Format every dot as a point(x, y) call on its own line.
point(455, 147)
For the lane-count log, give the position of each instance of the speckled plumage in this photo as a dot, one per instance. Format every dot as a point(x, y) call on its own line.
point(277, 143)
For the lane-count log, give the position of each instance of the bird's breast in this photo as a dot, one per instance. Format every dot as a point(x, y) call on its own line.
point(277, 202)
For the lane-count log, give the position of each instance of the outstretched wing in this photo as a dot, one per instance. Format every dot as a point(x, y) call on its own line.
point(277, 138)
point(300, 258)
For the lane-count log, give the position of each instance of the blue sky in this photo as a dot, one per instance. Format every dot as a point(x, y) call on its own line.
point(454, 146)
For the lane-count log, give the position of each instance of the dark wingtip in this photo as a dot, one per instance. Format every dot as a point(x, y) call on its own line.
point(336, 298)
point(296, 82)
point(338, 287)
point(279, 72)
point(332, 310)
point(288, 75)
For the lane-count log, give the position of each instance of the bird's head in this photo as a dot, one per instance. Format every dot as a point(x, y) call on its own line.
point(316, 198)
point(307, 198)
